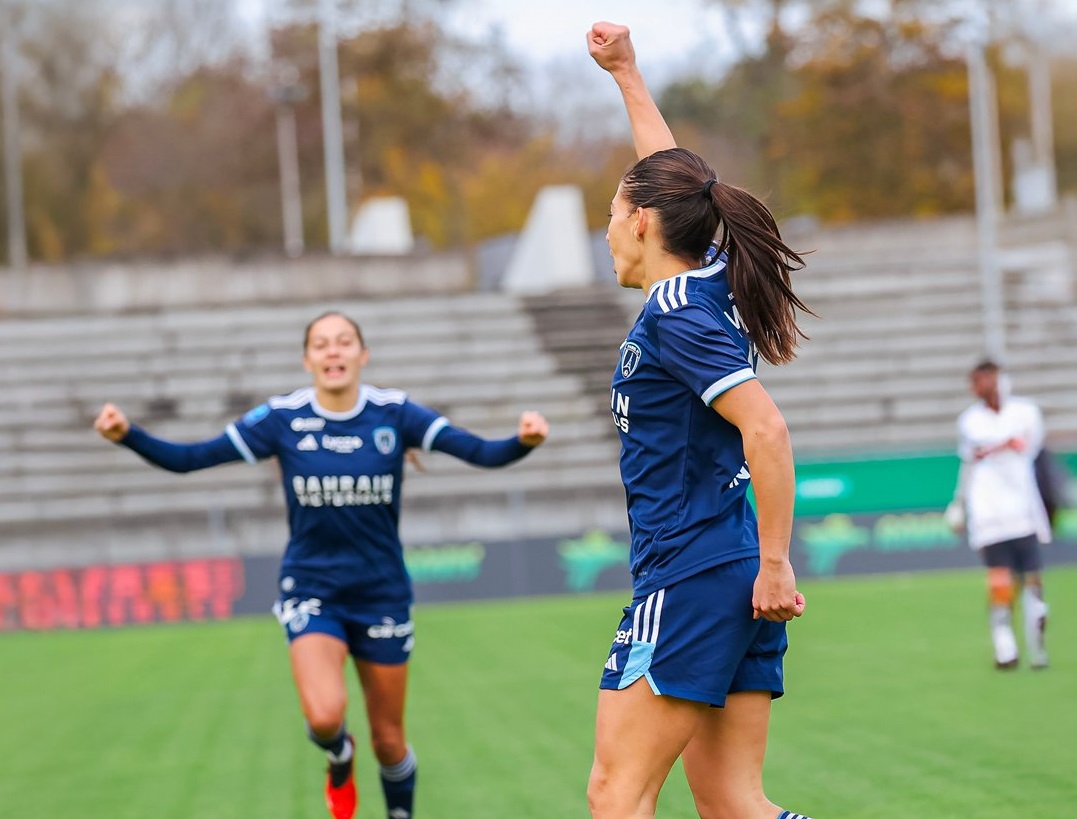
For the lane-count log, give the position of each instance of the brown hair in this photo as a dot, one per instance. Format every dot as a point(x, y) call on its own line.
point(692, 206)
point(327, 314)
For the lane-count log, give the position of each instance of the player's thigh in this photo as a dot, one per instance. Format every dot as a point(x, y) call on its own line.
point(317, 660)
point(638, 737)
point(724, 759)
point(384, 693)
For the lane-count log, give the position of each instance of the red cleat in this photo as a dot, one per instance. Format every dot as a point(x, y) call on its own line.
point(341, 796)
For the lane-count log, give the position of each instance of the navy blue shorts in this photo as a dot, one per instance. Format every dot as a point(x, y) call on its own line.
point(386, 637)
point(1021, 555)
point(697, 640)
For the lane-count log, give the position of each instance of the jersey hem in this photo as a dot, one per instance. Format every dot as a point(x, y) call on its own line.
point(669, 580)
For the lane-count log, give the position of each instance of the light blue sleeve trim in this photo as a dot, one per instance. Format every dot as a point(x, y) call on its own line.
point(727, 383)
point(432, 432)
point(240, 444)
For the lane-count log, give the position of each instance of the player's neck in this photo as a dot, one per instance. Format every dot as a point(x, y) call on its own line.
point(338, 400)
point(663, 266)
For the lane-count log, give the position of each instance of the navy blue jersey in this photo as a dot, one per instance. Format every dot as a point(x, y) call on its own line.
point(682, 464)
point(341, 473)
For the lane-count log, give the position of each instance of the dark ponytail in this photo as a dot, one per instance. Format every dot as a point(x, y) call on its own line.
point(759, 267)
point(693, 209)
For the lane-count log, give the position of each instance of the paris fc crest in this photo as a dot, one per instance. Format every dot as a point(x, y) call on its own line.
point(385, 440)
point(630, 355)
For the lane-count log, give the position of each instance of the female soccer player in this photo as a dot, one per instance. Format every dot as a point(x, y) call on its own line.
point(697, 657)
point(344, 588)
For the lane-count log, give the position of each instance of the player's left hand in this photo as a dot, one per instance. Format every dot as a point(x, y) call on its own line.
point(775, 596)
point(611, 46)
point(533, 429)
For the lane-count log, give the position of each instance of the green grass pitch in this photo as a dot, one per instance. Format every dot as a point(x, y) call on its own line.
point(893, 712)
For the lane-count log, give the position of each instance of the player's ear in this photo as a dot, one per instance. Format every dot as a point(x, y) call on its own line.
point(364, 356)
point(306, 364)
point(639, 227)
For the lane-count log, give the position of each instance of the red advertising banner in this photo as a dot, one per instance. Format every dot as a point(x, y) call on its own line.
point(94, 596)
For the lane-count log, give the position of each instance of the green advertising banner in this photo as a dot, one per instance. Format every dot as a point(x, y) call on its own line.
point(884, 484)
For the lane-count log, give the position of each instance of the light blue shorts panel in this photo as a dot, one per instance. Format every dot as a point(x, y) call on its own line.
point(697, 639)
point(385, 637)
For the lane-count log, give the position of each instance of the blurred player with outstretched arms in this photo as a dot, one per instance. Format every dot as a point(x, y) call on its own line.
point(344, 588)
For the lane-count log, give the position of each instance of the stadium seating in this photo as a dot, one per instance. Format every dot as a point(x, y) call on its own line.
point(900, 324)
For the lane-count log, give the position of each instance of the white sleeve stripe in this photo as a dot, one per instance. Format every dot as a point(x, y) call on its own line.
point(671, 293)
point(671, 288)
point(240, 444)
point(727, 383)
point(682, 291)
point(432, 431)
point(661, 298)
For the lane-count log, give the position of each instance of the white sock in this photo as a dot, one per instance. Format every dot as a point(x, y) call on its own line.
point(1002, 634)
point(1035, 617)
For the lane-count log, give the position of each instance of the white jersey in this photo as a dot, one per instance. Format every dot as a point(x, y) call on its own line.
point(998, 483)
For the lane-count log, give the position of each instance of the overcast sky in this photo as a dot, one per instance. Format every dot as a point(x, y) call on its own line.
point(664, 31)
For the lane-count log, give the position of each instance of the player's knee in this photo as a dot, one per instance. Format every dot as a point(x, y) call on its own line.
point(716, 806)
point(1000, 590)
point(608, 798)
point(325, 718)
point(388, 744)
point(598, 788)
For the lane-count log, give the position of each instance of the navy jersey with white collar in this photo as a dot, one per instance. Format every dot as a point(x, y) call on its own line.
point(341, 473)
point(682, 464)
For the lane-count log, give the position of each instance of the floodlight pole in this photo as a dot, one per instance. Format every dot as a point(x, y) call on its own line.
point(1042, 116)
point(286, 93)
point(16, 220)
point(332, 130)
point(984, 120)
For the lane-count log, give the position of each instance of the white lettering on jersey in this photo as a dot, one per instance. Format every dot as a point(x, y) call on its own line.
point(343, 444)
point(738, 322)
point(735, 319)
point(308, 443)
point(619, 408)
point(307, 424)
point(388, 628)
point(743, 475)
point(343, 490)
point(295, 614)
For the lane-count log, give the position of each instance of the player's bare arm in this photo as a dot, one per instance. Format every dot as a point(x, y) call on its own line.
point(611, 47)
point(770, 460)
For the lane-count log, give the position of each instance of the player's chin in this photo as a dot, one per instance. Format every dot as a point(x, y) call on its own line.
point(623, 280)
point(336, 383)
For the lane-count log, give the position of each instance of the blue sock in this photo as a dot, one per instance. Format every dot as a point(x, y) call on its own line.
point(398, 783)
point(788, 814)
point(334, 746)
